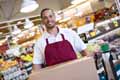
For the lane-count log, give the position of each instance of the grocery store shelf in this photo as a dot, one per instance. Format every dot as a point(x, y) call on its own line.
point(107, 21)
point(103, 35)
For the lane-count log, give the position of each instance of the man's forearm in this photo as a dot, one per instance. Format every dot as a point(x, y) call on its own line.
point(36, 67)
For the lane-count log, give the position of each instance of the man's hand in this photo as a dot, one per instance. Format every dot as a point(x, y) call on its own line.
point(85, 53)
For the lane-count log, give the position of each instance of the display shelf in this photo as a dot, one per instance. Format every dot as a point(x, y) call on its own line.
point(6, 26)
point(14, 73)
point(103, 34)
point(85, 28)
point(105, 28)
point(107, 21)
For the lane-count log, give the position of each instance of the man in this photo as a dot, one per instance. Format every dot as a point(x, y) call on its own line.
point(56, 45)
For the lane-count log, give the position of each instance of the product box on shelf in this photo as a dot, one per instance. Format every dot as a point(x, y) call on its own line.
point(12, 71)
point(15, 67)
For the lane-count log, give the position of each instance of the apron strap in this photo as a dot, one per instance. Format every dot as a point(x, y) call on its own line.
point(47, 41)
point(47, 38)
point(63, 37)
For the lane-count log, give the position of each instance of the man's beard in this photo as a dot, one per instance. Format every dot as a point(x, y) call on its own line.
point(50, 26)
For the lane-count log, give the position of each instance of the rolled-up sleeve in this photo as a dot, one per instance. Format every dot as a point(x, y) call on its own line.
point(37, 56)
point(78, 43)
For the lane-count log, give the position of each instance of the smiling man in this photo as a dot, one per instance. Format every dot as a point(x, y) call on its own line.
point(56, 45)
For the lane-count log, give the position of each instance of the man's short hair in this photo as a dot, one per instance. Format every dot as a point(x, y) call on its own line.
point(43, 10)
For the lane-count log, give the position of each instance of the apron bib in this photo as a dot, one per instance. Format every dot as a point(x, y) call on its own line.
point(59, 52)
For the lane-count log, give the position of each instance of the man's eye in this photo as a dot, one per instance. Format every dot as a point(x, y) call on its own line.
point(50, 16)
point(44, 17)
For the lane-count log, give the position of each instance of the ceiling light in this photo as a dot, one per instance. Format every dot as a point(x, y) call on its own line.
point(77, 1)
point(1, 33)
point(29, 6)
point(28, 23)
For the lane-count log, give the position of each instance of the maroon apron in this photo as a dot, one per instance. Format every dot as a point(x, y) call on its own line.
point(59, 52)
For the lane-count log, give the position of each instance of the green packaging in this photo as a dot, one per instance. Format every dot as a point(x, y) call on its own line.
point(104, 47)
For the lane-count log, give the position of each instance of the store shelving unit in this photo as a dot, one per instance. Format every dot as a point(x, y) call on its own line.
point(101, 69)
point(93, 39)
point(104, 33)
point(7, 26)
point(26, 38)
point(108, 32)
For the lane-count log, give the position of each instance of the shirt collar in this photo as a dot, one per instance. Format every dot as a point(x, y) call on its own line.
point(47, 35)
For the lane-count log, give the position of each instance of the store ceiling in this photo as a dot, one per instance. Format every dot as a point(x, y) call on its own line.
point(10, 9)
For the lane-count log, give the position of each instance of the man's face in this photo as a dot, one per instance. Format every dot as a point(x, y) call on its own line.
point(48, 19)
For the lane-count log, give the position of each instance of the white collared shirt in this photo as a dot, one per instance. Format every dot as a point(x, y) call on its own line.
point(71, 36)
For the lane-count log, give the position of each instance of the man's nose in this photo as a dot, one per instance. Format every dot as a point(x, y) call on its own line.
point(48, 19)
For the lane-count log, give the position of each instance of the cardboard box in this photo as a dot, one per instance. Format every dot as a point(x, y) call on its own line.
point(81, 69)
